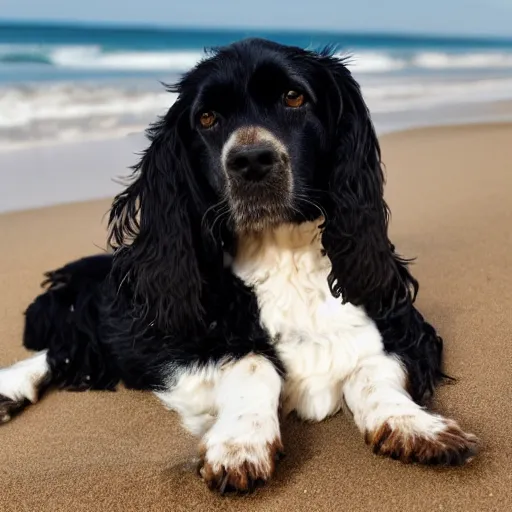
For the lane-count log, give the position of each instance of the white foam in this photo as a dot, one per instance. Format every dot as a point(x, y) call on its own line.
point(24, 105)
point(413, 94)
point(383, 62)
point(483, 60)
point(95, 58)
point(374, 62)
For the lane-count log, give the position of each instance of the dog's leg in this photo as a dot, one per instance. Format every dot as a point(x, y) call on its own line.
point(21, 384)
point(241, 447)
point(394, 425)
point(190, 391)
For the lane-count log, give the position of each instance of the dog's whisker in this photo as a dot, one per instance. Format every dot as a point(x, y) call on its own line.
point(220, 217)
point(312, 203)
point(221, 203)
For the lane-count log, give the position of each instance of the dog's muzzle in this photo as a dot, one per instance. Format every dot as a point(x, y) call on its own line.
point(259, 177)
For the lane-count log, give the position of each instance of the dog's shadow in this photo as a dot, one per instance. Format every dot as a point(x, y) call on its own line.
point(298, 444)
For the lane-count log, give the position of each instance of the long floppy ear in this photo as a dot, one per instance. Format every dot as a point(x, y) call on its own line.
point(155, 229)
point(365, 269)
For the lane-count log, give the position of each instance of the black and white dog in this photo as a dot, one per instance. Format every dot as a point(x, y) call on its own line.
point(251, 276)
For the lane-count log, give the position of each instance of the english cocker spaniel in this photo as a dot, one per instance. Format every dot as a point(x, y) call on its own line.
point(251, 276)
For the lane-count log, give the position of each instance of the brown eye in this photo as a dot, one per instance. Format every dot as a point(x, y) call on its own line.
point(207, 119)
point(294, 99)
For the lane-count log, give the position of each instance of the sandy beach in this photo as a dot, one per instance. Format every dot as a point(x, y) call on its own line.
point(449, 189)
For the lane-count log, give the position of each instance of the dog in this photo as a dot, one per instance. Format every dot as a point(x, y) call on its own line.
point(251, 276)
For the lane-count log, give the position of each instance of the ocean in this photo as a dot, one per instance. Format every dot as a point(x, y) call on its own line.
point(61, 83)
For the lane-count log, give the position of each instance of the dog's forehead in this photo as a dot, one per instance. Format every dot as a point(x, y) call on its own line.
point(232, 74)
point(239, 69)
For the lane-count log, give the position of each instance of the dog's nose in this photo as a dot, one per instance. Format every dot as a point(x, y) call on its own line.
point(252, 163)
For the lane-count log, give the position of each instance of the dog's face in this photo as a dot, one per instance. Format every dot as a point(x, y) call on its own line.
point(260, 130)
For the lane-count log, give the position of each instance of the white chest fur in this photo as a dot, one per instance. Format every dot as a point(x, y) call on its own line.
point(319, 340)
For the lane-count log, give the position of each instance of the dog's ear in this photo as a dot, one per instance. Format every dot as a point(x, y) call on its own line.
point(155, 230)
point(365, 268)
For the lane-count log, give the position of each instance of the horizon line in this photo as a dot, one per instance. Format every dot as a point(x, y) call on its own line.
point(127, 25)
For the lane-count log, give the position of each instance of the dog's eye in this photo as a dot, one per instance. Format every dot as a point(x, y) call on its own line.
point(294, 99)
point(207, 119)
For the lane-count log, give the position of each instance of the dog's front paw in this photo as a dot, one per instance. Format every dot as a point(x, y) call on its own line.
point(238, 466)
point(424, 438)
point(9, 407)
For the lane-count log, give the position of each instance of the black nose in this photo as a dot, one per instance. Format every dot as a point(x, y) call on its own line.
point(252, 163)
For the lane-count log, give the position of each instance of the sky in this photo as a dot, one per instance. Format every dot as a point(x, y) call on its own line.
point(452, 17)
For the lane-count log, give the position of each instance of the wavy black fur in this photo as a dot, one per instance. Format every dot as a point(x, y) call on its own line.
point(165, 296)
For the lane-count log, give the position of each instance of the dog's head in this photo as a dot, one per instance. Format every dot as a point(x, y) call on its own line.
point(261, 115)
point(260, 134)
point(265, 123)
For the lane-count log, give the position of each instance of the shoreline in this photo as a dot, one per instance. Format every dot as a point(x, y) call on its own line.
point(128, 131)
point(66, 173)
